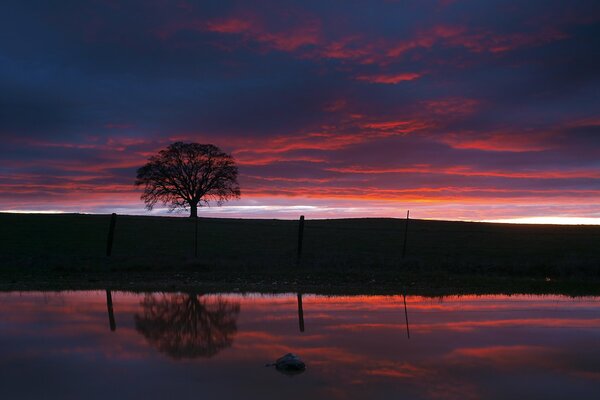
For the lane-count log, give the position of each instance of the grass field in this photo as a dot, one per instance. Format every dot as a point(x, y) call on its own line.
point(46, 246)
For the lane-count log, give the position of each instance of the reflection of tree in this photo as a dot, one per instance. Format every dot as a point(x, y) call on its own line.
point(188, 325)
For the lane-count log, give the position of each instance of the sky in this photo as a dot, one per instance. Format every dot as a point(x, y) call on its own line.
point(454, 109)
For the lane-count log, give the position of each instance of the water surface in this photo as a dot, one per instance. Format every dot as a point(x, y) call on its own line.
point(104, 345)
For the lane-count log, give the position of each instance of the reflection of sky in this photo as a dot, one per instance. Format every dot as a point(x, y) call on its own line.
point(355, 347)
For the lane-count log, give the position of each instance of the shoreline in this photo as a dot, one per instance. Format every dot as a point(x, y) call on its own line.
point(201, 282)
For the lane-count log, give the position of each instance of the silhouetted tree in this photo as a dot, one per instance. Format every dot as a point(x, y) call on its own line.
point(188, 175)
point(186, 325)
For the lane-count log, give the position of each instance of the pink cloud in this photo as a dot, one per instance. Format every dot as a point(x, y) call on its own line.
point(507, 142)
point(390, 78)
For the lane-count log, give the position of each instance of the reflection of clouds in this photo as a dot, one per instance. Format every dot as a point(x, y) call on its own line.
point(468, 326)
point(507, 356)
point(187, 325)
point(354, 347)
point(399, 370)
point(364, 338)
point(540, 358)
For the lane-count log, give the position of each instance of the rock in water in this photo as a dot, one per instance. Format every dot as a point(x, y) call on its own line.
point(290, 362)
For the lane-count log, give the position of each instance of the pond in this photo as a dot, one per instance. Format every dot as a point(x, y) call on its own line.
point(100, 345)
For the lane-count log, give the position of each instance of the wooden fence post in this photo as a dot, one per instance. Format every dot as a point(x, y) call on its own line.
point(405, 234)
point(300, 235)
point(111, 234)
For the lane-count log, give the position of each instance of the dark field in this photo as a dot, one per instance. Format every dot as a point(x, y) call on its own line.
point(70, 250)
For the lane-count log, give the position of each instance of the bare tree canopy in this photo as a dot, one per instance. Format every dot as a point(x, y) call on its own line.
point(188, 175)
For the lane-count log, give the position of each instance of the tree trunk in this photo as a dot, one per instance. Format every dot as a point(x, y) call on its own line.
point(193, 210)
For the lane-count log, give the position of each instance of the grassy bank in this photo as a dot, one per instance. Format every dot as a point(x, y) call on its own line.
point(69, 250)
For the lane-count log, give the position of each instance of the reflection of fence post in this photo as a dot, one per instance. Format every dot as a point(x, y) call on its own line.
point(111, 234)
point(196, 237)
point(300, 235)
point(405, 234)
point(406, 316)
point(300, 313)
point(111, 315)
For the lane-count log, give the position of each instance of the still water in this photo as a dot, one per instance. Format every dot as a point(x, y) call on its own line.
point(112, 345)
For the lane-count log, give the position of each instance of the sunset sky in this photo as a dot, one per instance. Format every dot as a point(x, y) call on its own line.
point(474, 109)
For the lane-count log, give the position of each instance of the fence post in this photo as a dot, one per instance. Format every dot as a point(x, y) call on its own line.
point(111, 234)
point(300, 235)
point(405, 234)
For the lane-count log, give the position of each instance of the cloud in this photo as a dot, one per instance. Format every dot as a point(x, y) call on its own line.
point(502, 142)
point(390, 78)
